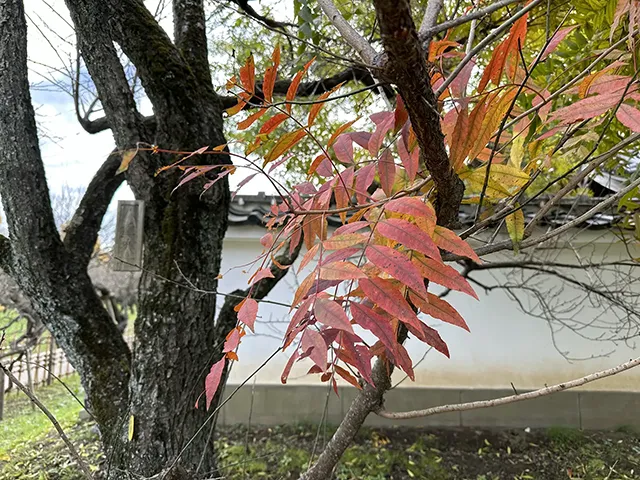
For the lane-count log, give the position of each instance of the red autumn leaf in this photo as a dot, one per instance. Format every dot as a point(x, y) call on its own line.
point(397, 265)
point(212, 382)
point(341, 271)
point(248, 313)
point(387, 172)
point(629, 117)
point(347, 376)
point(271, 74)
point(376, 324)
point(343, 190)
point(330, 313)
point(404, 361)
point(364, 178)
point(260, 274)
point(429, 336)
point(413, 206)
point(339, 255)
point(410, 161)
point(248, 75)
point(459, 85)
point(586, 108)
point(409, 236)
point(361, 138)
point(384, 122)
point(295, 83)
point(443, 275)
point(313, 345)
point(386, 296)
point(233, 340)
point(287, 367)
point(400, 115)
point(271, 124)
point(352, 227)
point(449, 241)
point(343, 148)
point(556, 39)
point(440, 309)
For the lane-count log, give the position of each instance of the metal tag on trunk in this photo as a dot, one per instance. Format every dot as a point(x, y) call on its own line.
point(127, 251)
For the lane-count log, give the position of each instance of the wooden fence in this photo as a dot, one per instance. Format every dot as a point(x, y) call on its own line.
point(37, 367)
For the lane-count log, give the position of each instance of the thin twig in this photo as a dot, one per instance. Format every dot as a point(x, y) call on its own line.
point(461, 407)
point(74, 453)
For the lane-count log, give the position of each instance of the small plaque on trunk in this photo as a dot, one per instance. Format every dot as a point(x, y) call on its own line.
point(127, 251)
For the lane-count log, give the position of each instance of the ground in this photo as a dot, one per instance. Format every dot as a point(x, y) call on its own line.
point(30, 449)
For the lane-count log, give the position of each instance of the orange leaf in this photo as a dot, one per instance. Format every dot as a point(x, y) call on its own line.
point(507, 48)
point(316, 107)
point(341, 271)
point(347, 376)
point(304, 288)
point(487, 120)
point(449, 241)
point(248, 75)
point(271, 124)
point(285, 142)
point(246, 123)
point(295, 83)
point(443, 275)
point(340, 130)
point(270, 75)
point(440, 309)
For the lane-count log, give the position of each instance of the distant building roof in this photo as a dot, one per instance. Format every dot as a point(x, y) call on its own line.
point(253, 209)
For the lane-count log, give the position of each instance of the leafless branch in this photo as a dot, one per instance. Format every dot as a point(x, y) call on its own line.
point(430, 19)
point(460, 407)
point(351, 36)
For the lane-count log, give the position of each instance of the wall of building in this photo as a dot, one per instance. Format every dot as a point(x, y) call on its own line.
point(507, 347)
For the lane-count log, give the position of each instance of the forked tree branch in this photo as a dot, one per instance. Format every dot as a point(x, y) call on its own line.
point(430, 19)
point(74, 453)
point(350, 35)
point(461, 407)
point(82, 232)
point(430, 29)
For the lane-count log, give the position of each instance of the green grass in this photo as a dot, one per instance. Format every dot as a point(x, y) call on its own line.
point(31, 449)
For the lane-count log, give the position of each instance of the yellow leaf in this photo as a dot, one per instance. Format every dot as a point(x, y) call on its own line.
point(127, 157)
point(517, 152)
point(515, 227)
point(131, 427)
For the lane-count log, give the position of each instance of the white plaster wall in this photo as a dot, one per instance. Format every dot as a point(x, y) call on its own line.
point(505, 345)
